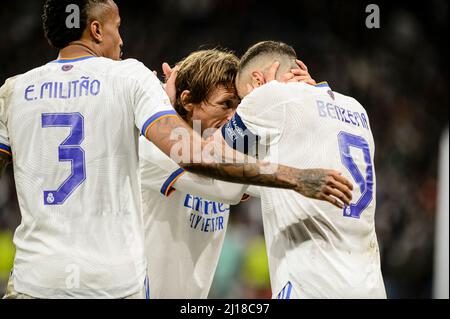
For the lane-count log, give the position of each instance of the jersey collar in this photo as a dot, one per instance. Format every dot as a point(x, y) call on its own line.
point(75, 59)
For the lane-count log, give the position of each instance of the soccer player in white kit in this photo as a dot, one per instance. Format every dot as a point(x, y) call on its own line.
point(314, 249)
point(184, 232)
point(185, 215)
point(71, 129)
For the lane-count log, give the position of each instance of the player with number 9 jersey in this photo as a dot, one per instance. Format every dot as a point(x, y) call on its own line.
point(314, 250)
point(72, 127)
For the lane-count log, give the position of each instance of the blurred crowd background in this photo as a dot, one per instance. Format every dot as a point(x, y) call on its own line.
point(399, 72)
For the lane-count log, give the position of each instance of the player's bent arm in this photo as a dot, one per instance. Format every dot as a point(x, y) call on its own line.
point(196, 155)
point(159, 172)
point(212, 189)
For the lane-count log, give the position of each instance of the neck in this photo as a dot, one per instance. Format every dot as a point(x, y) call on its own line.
point(76, 49)
point(189, 120)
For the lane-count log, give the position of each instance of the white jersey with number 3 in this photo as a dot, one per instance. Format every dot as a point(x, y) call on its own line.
point(315, 250)
point(72, 129)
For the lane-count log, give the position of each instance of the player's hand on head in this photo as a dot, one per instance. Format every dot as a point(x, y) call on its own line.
point(299, 74)
point(326, 185)
point(167, 70)
point(272, 72)
point(170, 77)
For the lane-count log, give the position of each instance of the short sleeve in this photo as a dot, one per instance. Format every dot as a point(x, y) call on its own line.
point(151, 102)
point(5, 94)
point(259, 120)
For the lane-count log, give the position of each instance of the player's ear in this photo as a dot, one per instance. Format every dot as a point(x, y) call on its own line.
point(96, 31)
point(185, 99)
point(257, 78)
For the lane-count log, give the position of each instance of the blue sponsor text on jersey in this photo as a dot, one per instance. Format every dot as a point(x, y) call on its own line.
point(210, 214)
point(330, 110)
point(63, 90)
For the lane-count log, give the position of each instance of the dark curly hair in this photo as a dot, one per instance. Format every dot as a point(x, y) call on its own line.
point(54, 20)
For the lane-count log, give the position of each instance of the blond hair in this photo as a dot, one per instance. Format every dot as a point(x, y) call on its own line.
point(201, 72)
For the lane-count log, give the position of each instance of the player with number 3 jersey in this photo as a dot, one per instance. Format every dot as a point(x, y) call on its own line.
point(71, 129)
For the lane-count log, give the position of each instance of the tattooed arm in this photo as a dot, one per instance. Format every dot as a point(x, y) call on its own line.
point(217, 160)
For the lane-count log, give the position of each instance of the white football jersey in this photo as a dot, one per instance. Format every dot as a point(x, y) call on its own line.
point(185, 218)
point(315, 250)
point(72, 128)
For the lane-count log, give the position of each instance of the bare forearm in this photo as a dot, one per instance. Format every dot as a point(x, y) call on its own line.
point(247, 173)
point(219, 161)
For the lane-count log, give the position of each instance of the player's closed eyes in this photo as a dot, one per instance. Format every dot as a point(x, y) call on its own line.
point(228, 104)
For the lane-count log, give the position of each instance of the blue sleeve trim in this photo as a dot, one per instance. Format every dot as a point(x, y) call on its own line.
point(238, 136)
point(5, 149)
point(156, 117)
point(167, 187)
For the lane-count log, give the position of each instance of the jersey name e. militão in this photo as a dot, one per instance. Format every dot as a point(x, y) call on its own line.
point(72, 129)
point(315, 250)
point(184, 232)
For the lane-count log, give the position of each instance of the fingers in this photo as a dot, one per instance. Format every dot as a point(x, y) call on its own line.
point(170, 82)
point(343, 188)
point(298, 75)
point(332, 200)
point(300, 72)
point(302, 65)
point(290, 77)
point(167, 70)
point(338, 177)
point(272, 73)
point(287, 77)
point(306, 79)
point(337, 193)
point(303, 76)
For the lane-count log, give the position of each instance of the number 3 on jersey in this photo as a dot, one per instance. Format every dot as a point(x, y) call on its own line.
point(69, 150)
point(346, 141)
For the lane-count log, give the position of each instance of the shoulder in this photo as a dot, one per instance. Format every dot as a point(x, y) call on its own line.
point(271, 89)
point(8, 87)
point(275, 93)
point(131, 68)
point(269, 97)
point(6, 92)
point(351, 101)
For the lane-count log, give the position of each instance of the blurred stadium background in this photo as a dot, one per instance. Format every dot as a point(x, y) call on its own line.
point(398, 72)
